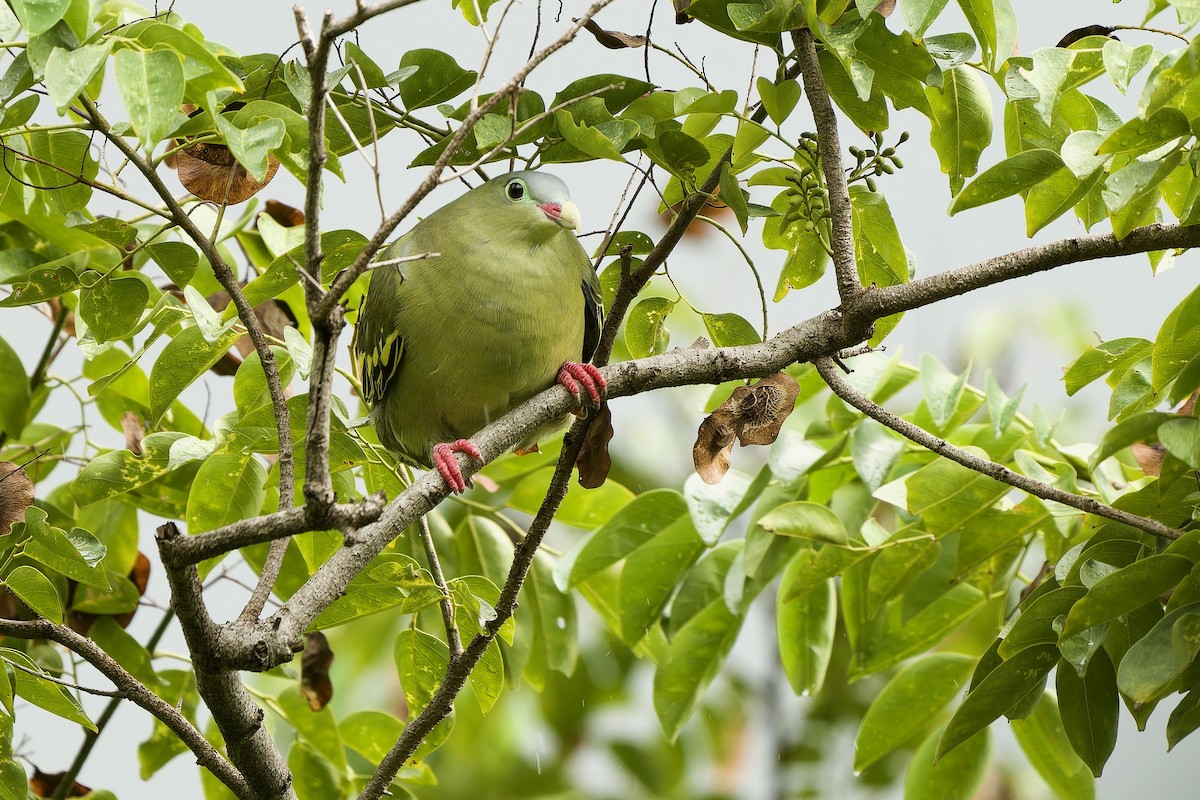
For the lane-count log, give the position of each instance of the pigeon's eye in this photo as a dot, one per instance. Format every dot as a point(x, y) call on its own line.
point(515, 190)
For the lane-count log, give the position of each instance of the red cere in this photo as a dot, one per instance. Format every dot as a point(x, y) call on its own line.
point(551, 210)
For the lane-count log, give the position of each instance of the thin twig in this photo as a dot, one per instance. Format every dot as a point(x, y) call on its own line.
point(999, 472)
point(439, 579)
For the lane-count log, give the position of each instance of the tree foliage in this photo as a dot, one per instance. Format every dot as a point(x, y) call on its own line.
point(893, 553)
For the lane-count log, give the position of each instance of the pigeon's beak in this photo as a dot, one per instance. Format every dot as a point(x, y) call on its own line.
point(564, 214)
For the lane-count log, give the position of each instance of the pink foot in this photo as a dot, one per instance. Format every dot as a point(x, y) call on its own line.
point(572, 375)
point(447, 464)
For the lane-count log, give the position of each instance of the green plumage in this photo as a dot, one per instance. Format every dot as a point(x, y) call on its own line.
point(450, 343)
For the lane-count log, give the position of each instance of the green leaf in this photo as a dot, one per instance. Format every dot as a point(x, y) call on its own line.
point(228, 487)
point(151, 85)
point(1047, 747)
point(370, 733)
point(729, 330)
point(920, 14)
point(942, 389)
point(1122, 62)
point(713, 506)
point(1185, 718)
point(1089, 709)
point(1139, 180)
point(185, 358)
point(421, 662)
point(1152, 664)
point(1181, 437)
point(177, 260)
point(124, 649)
point(805, 520)
point(76, 555)
point(878, 251)
point(1036, 625)
point(1100, 360)
point(592, 140)
point(39, 16)
point(14, 392)
point(651, 573)
point(961, 115)
point(805, 625)
point(868, 115)
point(646, 331)
point(313, 777)
point(438, 78)
point(548, 617)
point(120, 471)
point(45, 694)
point(779, 99)
point(251, 146)
point(995, 26)
point(36, 591)
point(908, 704)
point(586, 510)
point(112, 307)
point(732, 196)
point(1009, 177)
point(691, 662)
point(637, 523)
point(1005, 685)
point(956, 776)
point(901, 65)
point(1125, 590)
point(68, 72)
point(1138, 136)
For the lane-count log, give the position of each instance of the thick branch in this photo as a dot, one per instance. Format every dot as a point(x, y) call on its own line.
point(841, 230)
point(347, 518)
point(876, 302)
point(240, 720)
point(844, 390)
point(133, 689)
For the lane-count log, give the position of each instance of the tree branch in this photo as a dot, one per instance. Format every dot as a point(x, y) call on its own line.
point(841, 228)
point(876, 302)
point(453, 639)
point(206, 754)
point(999, 472)
point(237, 716)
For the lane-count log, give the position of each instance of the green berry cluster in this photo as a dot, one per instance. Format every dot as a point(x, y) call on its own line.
point(879, 160)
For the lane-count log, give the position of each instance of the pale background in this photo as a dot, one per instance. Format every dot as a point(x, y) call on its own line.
point(1041, 314)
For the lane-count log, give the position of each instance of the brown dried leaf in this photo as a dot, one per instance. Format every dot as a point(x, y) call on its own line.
point(613, 40)
point(16, 495)
point(43, 784)
point(764, 406)
point(210, 172)
point(681, 15)
point(1149, 457)
point(752, 415)
point(1084, 32)
point(285, 215)
point(714, 443)
point(315, 685)
point(593, 461)
point(134, 430)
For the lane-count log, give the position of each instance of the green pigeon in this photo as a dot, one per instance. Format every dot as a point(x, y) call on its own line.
point(505, 305)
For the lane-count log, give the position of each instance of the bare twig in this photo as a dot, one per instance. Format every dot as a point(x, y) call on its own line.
point(453, 640)
point(999, 472)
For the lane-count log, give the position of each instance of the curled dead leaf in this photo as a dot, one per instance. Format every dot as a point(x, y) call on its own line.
point(210, 172)
point(315, 685)
point(16, 494)
point(44, 784)
point(751, 415)
point(1150, 456)
point(1084, 32)
point(594, 461)
point(285, 215)
point(613, 40)
point(134, 430)
point(681, 15)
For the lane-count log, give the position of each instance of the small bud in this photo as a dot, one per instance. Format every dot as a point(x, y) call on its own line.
point(903, 137)
point(871, 184)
